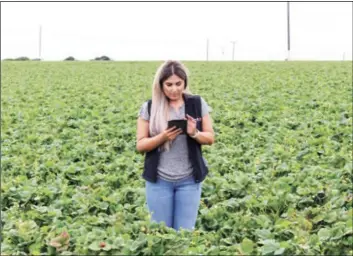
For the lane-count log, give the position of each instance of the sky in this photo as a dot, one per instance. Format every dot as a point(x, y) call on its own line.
point(160, 31)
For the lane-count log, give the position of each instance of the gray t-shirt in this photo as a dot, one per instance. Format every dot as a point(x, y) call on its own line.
point(174, 164)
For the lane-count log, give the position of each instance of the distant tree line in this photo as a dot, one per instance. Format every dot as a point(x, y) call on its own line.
point(70, 58)
point(21, 59)
point(97, 58)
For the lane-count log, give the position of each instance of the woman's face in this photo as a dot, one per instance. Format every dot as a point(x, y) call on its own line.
point(173, 88)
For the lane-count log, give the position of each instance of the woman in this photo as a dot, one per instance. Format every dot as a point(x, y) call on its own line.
point(174, 167)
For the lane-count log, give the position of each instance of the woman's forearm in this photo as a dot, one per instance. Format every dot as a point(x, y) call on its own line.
point(205, 138)
point(148, 144)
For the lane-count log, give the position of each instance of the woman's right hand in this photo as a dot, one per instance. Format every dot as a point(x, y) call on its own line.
point(171, 133)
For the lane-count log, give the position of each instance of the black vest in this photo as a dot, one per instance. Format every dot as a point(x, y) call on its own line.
point(192, 108)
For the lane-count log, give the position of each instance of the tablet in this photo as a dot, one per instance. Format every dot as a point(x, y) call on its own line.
point(179, 124)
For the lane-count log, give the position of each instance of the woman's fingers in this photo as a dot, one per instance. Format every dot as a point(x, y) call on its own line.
point(191, 118)
point(171, 128)
point(175, 131)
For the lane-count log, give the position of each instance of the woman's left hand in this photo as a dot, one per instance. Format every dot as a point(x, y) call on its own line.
point(191, 129)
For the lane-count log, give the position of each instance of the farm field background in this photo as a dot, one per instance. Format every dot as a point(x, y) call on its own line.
point(280, 179)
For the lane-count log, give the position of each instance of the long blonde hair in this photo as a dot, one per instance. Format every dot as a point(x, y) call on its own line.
point(160, 105)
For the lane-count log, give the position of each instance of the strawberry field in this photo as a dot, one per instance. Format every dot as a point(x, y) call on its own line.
point(280, 180)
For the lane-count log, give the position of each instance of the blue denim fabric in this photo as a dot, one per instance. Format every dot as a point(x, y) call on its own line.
point(175, 203)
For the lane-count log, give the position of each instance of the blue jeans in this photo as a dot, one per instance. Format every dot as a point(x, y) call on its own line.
point(174, 203)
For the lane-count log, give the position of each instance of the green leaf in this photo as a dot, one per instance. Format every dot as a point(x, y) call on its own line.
point(34, 248)
point(227, 240)
point(280, 251)
point(264, 233)
point(324, 234)
point(247, 246)
point(282, 224)
point(349, 223)
point(107, 247)
point(317, 218)
point(25, 227)
point(94, 246)
point(118, 242)
point(67, 253)
point(263, 220)
point(134, 246)
point(103, 205)
point(331, 217)
point(269, 246)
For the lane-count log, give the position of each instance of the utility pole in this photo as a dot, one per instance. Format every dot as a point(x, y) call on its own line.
point(288, 30)
point(40, 42)
point(207, 49)
point(233, 42)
